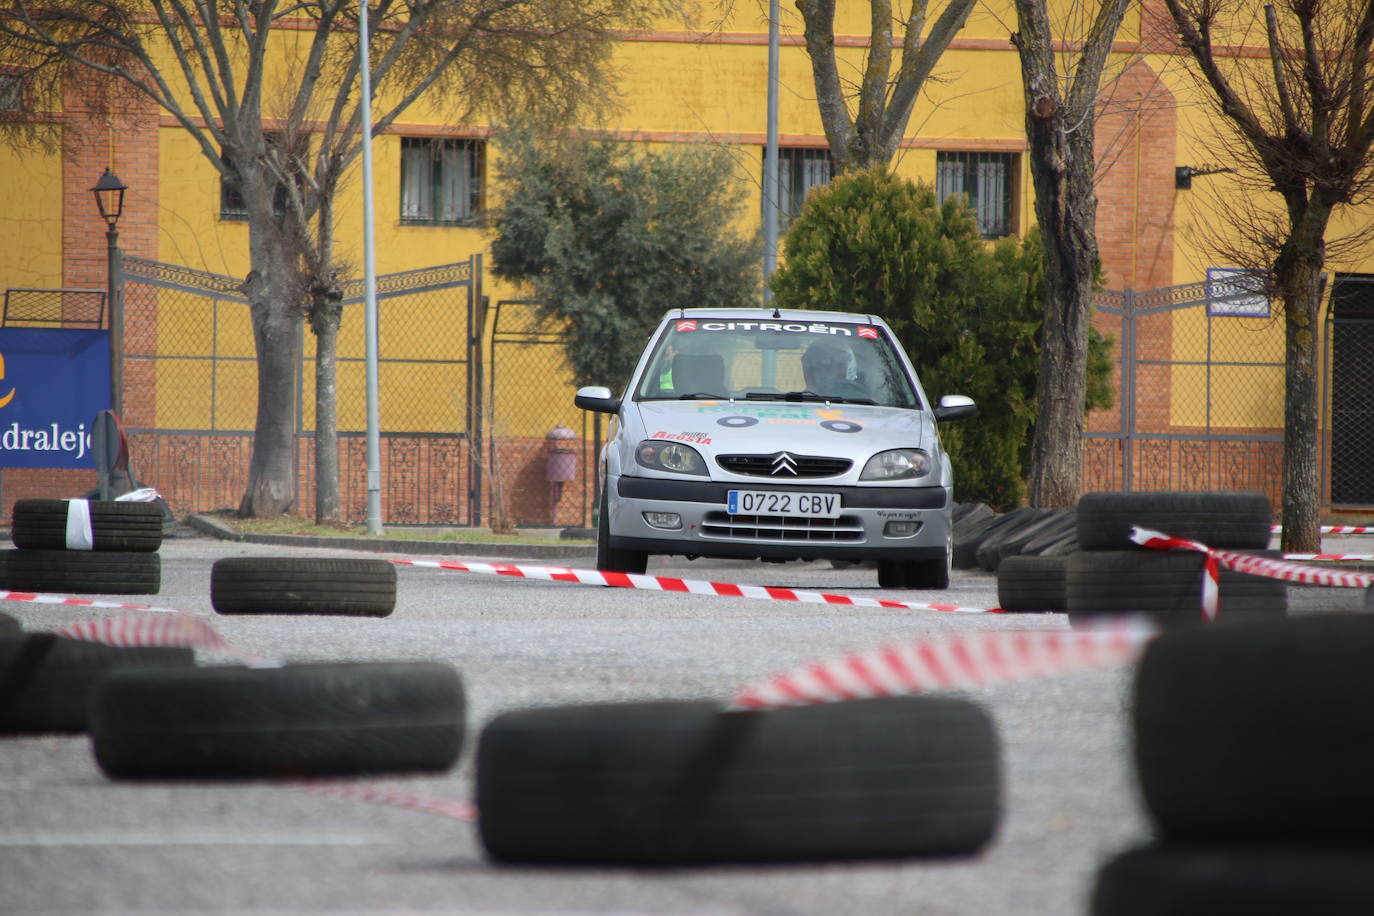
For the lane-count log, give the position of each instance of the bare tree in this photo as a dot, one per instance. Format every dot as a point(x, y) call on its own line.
point(1301, 116)
point(865, 119)
point(285, 145)
point(1061, 89)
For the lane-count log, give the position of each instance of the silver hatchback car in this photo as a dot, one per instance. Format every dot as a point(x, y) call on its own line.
point(778, 435)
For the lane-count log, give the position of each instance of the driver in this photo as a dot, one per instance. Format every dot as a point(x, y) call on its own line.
point(825, 366)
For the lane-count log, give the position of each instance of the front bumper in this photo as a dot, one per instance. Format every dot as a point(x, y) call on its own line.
point(708, 531)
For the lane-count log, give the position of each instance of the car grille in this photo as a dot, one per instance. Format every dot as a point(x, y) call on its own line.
point(782, 528)
point(764, 465)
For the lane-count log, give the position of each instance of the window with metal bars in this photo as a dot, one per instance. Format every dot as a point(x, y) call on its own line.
point(11, 92)
point(799, 170)
point(988, 180)
point(441, 180)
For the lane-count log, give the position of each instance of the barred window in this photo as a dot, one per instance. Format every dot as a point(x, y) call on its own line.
point(441, 180)
point(11, 92)
point(988, 181)
point(799, 170)
point(231, 203)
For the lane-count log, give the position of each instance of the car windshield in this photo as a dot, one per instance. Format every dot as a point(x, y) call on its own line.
point(700, 358)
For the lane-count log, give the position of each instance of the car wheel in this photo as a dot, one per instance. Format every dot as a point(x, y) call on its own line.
point(891, 574)
point(609, 559)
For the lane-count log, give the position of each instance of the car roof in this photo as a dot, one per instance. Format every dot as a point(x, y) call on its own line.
point(769, 314)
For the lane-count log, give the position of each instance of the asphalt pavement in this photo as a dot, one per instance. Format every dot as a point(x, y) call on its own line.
point(73, 841)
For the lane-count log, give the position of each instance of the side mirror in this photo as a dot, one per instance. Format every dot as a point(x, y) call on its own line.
point(955, 407)
point(597, 398)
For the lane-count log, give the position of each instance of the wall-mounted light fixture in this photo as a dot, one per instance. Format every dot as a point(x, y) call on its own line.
point(1184, 174)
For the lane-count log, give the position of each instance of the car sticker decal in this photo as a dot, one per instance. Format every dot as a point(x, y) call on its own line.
point(738, 422)
point(683, 326)
point(841, 426)
point(700, 438)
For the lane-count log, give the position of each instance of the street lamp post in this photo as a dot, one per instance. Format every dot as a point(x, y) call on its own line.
point(109, 197)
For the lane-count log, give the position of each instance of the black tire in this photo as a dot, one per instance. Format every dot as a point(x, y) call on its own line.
point(1260, 734)
point(922, 574)
point(683, 782)
point(609, 559)
point(46, 681)
point(1233, 521)
point(1166, 585)
point(1210, 881)
point(9, 626)
point(300, 720)
point(41, 524)
point(353, 587)
point(81, 572)
point(1031, 583)
point(989, 552)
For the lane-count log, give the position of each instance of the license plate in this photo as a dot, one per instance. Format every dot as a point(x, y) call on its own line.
point(772, 502)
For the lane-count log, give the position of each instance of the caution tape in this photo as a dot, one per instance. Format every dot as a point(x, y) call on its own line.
point(391, 798)
point(951, 663)
point(1334, 529)
point(177, 631)
point(1256, 566)
point(1329, 557)
point(689, 586)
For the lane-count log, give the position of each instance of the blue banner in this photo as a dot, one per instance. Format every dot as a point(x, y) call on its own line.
point(53, 382)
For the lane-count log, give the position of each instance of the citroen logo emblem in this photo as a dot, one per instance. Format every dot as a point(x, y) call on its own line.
point(784, 462)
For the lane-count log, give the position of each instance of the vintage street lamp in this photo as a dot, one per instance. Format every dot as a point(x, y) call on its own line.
point(109, 197)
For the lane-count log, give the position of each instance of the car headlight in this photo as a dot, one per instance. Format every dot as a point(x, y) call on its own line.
point(897, 464)
point(670, 456)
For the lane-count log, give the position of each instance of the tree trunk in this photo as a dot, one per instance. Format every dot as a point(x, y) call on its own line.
point(1299, 281)
point(324, 321)
point(1066, 208)
point(273, 289)
point(271, 486)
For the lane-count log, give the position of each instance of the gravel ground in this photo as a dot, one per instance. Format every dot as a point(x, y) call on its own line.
point(72, 841)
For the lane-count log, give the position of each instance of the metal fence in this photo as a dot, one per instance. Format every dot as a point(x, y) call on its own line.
point(1198, 373)
point(1199, 380)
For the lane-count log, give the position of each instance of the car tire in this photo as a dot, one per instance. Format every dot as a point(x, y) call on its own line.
point(362, 587)
point(9, 626)
point(684, 782)
point(1031, 584)
point(46, 680)
point(81, 572)
point(338, 719)
point(41, 524)
point(1169, 880)
point(609, 559)
point(1227, 520)
point(1262, 733)
point(1166, 585)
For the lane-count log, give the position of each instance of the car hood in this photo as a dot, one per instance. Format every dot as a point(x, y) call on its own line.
point(853, 431)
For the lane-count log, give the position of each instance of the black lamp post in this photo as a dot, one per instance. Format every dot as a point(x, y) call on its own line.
point(109, 197)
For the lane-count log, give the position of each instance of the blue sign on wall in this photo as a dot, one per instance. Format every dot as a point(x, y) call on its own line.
point(53, 382)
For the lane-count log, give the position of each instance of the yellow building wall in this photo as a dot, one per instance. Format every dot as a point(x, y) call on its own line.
point(31, 204)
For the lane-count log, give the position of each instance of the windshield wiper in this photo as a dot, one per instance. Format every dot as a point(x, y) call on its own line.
point(701, 396)
point(809, 395)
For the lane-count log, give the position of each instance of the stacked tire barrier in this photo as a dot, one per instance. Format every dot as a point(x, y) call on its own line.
point(1110, 574)
point(80, 546)
point(1253, 747)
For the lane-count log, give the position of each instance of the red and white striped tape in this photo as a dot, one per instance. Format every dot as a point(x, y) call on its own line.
point(179, 631)
point(1211, 570)
point(1330, 557)
point(1257, 566)
point(391, 798)
point(690, 586)
point(38, 598)
point(951, 663)
point(1335, 529)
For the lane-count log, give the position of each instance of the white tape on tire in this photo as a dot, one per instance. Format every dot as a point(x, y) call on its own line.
point(79, 534)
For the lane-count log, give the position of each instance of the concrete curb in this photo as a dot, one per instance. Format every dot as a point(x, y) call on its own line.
point(206, 525)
